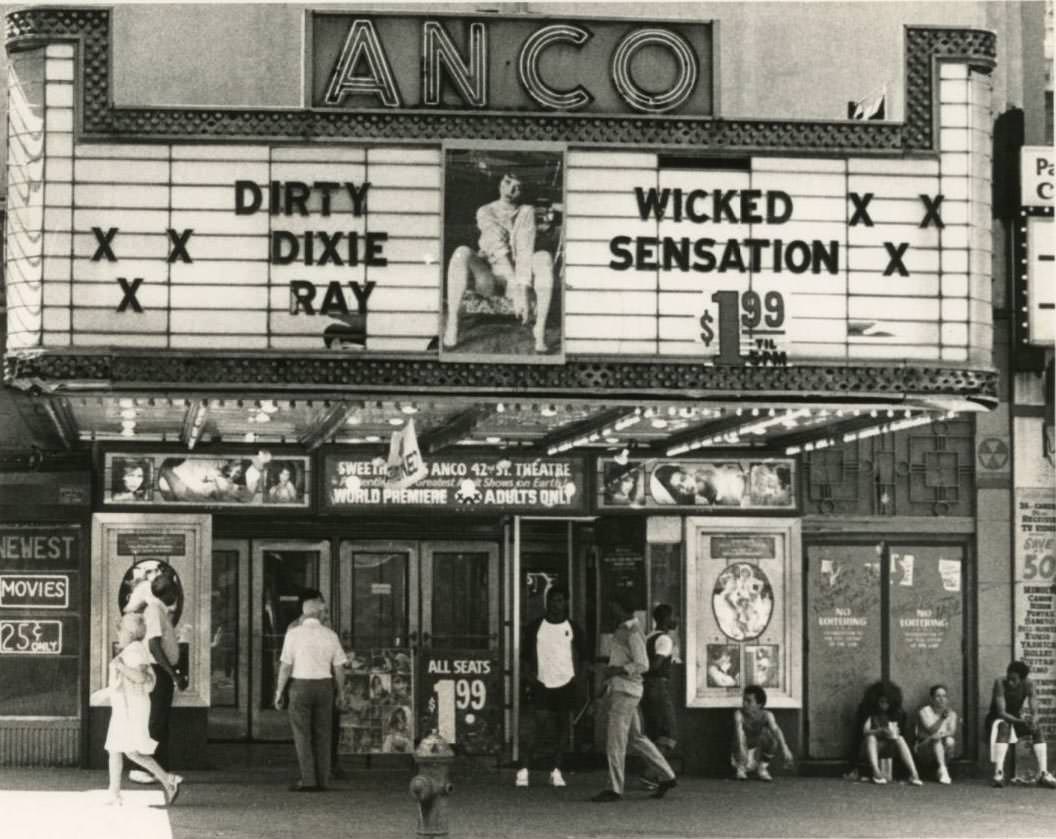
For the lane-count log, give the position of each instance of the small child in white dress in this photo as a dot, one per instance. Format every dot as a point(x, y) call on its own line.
point(131, 681)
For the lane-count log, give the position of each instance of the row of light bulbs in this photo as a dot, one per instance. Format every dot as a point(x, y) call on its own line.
point(658, 418)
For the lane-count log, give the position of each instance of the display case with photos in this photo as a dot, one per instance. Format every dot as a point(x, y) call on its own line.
point(742, 611)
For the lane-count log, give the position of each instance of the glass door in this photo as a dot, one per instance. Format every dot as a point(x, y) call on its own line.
point(229, 641)
point(282, 570)
point(377, 618)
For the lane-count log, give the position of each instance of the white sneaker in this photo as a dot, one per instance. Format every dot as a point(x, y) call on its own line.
point(556, 779)
point(763, 774)
point(742, 774)
point(1046, 779)
point(522, 778)
point(944, 776)
point(141, 776)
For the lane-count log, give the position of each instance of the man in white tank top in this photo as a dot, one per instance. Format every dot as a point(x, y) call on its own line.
point(554, 647)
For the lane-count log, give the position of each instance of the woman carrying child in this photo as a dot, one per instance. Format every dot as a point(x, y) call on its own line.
point(130, 683)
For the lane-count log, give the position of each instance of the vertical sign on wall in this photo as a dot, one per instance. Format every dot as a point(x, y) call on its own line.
point(1035, 595)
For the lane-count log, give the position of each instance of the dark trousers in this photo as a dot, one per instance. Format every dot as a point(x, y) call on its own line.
point(547, 747)
point(160, 711)
point(311, 718)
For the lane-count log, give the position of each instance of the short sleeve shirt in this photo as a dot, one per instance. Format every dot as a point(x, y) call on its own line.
point(928, 718)
point(553, 645)
point(159, 625)
point(312, 650)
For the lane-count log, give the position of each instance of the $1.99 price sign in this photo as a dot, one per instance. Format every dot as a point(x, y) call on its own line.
point(464, 699)
point(756, 316)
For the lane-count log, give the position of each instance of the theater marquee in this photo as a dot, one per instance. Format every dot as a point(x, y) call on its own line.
point(745, 259)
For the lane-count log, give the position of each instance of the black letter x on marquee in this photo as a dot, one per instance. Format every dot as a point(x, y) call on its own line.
point(895, 262)
point(104, 240)
point(129, 298)
point(931, 206)
point(179, 245)
point(860, 211)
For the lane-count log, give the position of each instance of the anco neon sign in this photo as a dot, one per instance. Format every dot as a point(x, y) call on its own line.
point(594, 66)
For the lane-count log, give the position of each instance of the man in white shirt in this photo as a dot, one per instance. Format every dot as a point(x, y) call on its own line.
point(554, 649)
point(311, 663)
point(628, 661)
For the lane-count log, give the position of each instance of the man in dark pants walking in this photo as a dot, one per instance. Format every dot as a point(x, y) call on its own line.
point(165, 651)
point(311, 662)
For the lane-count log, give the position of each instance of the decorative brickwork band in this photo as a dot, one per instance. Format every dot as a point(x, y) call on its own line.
point(100, 119)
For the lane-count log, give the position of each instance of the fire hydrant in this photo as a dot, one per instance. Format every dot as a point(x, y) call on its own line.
point(431, 785)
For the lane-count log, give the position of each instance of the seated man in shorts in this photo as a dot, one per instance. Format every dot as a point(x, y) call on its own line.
point(756, 737)
point(1012, 709)
point(937, 732)
point(505, 264)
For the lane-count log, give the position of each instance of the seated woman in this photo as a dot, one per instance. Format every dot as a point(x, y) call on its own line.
point(1012, 709)
point(882, 730)
point(937, 732)
point(756, 737)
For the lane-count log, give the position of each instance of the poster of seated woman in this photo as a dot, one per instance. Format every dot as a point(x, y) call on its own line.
point(503, 242)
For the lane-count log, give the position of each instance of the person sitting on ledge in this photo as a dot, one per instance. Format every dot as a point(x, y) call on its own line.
point(1012, 711)
point(882, 731)
point(937, 725)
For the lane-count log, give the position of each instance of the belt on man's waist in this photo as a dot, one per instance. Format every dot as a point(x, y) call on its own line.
point(320, 679)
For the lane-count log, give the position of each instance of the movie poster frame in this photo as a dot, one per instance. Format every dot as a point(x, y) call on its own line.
point(700, 618)
point(496, 147)
point(644, 471)
point(265, 461)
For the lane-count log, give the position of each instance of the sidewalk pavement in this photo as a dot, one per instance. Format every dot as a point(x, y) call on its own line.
point(255, 804)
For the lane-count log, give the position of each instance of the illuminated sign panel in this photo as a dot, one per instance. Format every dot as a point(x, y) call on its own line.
point(1041, 281)
point(1037, 176)
point(1037, 280)
point(756, 260)
point(592, 66)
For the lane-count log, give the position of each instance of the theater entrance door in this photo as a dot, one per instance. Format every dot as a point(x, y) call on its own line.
point(420, 624)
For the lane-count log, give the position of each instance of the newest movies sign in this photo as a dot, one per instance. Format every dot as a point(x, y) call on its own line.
point(463, 483)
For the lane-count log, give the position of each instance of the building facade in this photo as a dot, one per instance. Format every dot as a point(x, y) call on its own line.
point(436, 309)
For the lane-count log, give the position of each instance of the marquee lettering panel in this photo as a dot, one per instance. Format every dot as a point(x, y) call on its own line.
point(180, 246)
